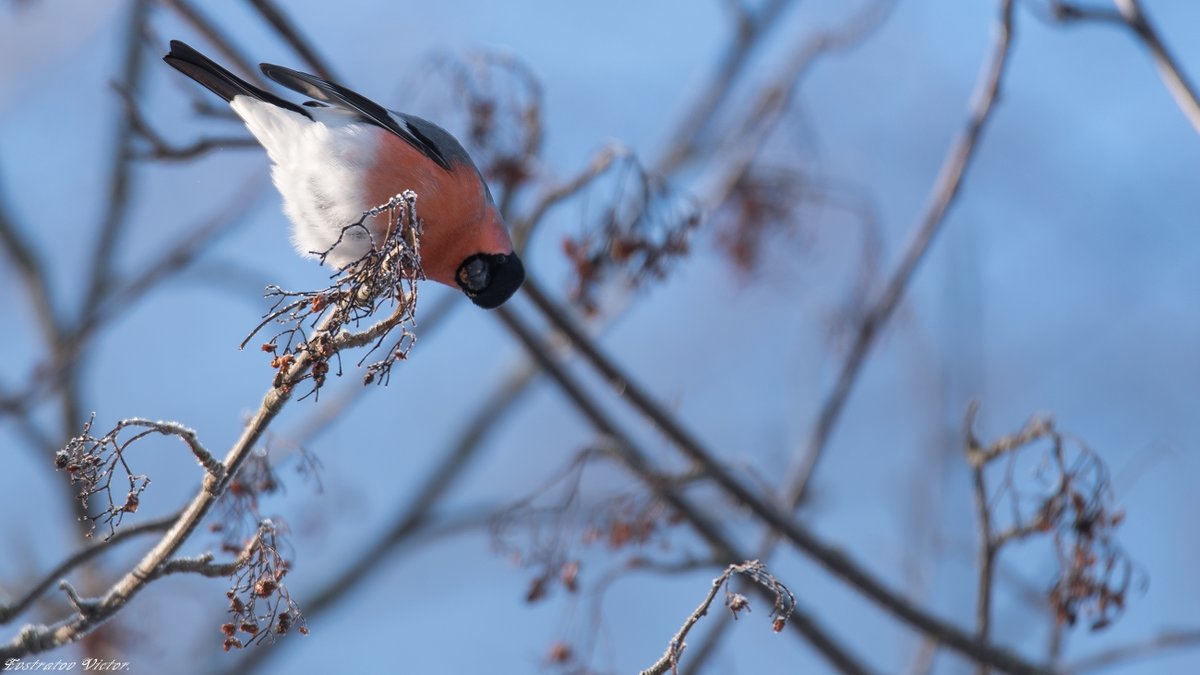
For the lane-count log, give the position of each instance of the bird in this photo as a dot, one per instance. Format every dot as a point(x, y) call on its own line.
point(336, 156)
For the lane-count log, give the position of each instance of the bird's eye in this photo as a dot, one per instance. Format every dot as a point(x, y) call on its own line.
point(474, 276)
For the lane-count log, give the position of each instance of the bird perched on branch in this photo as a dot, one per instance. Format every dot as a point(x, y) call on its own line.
point(340, 154)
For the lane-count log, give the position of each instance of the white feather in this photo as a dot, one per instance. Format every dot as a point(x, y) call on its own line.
point(318, 168)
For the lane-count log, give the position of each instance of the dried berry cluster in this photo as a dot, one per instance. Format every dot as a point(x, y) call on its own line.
point(1073, 505)
point(385, 277)
point(259, 602)
point(238, 506)
point(784, 603)
point(629, 520)
point(92, 463)
point(502, 101)
point(1095, 574)
point(641, 228)
point(762, 204)
point(619, 522)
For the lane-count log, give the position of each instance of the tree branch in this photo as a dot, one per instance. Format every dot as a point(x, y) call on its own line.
point(639, 464)
point(1166, 641)
point(832, 559)
point(1129, 15)
point(11, 611)
point(113, 223)
point(287, 30)
point(945, 190)
point(750, 32)
point(31, 270)
point(735, 602)
point(329, 331)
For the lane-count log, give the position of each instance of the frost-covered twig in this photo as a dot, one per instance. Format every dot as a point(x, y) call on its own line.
point(785, 603)
point(400, 264)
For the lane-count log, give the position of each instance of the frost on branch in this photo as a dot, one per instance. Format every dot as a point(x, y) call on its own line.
point(260, 606)
point(784, 606)
point(92, 462)
point(385, 277)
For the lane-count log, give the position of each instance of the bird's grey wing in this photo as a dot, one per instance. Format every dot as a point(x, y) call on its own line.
point(426, 137)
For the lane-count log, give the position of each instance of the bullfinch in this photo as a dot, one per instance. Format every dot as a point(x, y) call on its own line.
point(338, 155)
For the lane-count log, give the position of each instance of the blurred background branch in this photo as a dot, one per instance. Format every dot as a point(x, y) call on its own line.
point(738, 156)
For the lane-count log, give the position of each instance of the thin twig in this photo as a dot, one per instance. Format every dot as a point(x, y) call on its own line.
point(114, 221)
point(1129, 15)
point(1182, 89)
point(638, 463)
point(523, 229)
point(750, 32)
point(753, 569)
point(38, 638)
point(190, 13)
point(287, 30)
point(185, 434)
point(11, 611)
point(31, 269)
point(945, 191)
point(987, 545)
point(781, 522)
point(52, 374)
point(204, 566)
point(1119, 655)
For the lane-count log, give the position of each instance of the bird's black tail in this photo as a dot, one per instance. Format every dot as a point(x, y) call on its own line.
point(218, 80)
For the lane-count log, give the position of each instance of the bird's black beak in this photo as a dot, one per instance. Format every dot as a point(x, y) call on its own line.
point(490, 279)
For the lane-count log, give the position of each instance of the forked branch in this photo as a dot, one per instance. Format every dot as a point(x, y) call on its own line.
point(383, 275)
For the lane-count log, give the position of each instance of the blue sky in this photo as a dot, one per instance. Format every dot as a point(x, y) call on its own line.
point(1064, 282)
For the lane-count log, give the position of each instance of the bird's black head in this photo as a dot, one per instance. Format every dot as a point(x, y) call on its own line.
point(489, 279)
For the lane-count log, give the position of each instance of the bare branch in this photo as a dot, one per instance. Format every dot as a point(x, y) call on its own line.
point(330, 329)
point(832, 559)
point(10, 612)
point(785, 603)
point(211, 32)
point(113, 222)
point(523, 229)
point(945, 190)
point(1074, 509)
point(639, 464)
point(750, 31)
point(1129, 15)
point(188, 436)
point(1137, 651)
point(160, 147)
point(32, 272)
point(987, 549)
point(287, 30)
